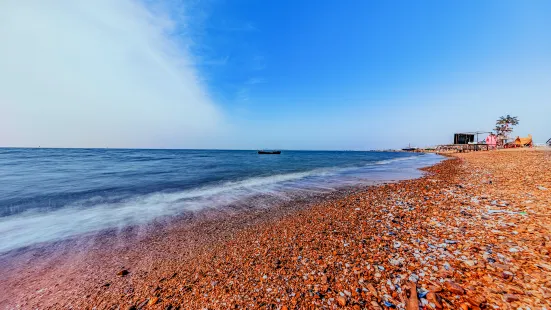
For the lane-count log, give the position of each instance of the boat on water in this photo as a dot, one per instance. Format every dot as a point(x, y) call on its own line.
point(269, 152)
point(409, 149)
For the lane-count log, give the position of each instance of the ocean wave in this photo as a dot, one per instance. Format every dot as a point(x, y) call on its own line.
point(84, 216)
point(393, 160)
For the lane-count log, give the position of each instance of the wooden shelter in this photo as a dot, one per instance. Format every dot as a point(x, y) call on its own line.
point(521, 142)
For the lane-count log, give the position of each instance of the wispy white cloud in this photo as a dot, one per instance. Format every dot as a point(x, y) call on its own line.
point(99, 73)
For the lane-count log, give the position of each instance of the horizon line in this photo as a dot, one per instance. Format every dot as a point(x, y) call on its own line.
point(197, 149)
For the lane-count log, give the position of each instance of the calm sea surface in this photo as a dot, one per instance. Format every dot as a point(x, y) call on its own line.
point(52, 194)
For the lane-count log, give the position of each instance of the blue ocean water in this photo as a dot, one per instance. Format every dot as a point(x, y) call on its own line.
point(51, 194)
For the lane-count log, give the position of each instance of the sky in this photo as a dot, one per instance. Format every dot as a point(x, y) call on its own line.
point(243, 74)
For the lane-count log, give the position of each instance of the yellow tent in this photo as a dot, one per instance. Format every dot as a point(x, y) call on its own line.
point(523, 141)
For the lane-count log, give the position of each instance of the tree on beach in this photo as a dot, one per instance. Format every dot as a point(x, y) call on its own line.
point(504, 126)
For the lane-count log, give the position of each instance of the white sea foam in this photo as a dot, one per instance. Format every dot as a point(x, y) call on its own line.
point(33, 227)
point(388, 161)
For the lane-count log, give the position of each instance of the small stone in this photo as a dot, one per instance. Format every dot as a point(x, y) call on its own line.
point(507, 275)
point(435, 288)
point(122, 273)
point(500, 266)
point(469, 263)
point(464, 306)
point(152, 301)
point(435, 299)
point(341, 300)
point(511, 297)
point(476, 300)
point(372, 289)
point(454, 288)
point(394, 262)
point(375, 305)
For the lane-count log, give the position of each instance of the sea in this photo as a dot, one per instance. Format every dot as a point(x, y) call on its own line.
point(48, 195)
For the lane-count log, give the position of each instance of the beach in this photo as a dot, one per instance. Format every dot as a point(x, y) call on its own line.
point(472, 233)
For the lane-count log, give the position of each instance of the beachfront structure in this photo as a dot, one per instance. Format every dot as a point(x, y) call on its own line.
point(469, 137)
point(468, 141)
point(522, 142)
point(463, 138)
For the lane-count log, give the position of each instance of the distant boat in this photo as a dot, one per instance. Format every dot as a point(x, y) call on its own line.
point(269, 152)
point(409, 149)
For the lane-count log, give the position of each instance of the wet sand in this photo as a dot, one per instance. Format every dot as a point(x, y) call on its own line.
point(473, 233)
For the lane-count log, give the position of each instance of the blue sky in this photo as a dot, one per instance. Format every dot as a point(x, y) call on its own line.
point(285, 63)
point(316, 74)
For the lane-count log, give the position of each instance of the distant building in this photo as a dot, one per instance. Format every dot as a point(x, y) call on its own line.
point(463, 138)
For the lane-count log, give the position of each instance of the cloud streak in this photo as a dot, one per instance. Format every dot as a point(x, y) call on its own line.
point(96, 74)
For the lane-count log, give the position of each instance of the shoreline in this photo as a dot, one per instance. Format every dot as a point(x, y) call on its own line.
point(200, 228)
point(356, 251)
point(139, 201)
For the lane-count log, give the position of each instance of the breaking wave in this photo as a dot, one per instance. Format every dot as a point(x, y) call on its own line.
point(92, 214)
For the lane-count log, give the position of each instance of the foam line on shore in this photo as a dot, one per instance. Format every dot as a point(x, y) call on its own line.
point(28, 228)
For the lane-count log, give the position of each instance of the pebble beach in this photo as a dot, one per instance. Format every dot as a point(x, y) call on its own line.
point(472, 233)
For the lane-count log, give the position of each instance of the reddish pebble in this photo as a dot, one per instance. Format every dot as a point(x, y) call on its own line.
point(342, 301)
point(476, 300)
point(511, 297)
point(454, 288)
point(153, 301)
point(434, 298)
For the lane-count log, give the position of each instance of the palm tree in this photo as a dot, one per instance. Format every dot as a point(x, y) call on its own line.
point(507, 120)
point(504, 126)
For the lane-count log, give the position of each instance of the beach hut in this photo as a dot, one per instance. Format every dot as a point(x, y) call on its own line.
point(521, 142)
